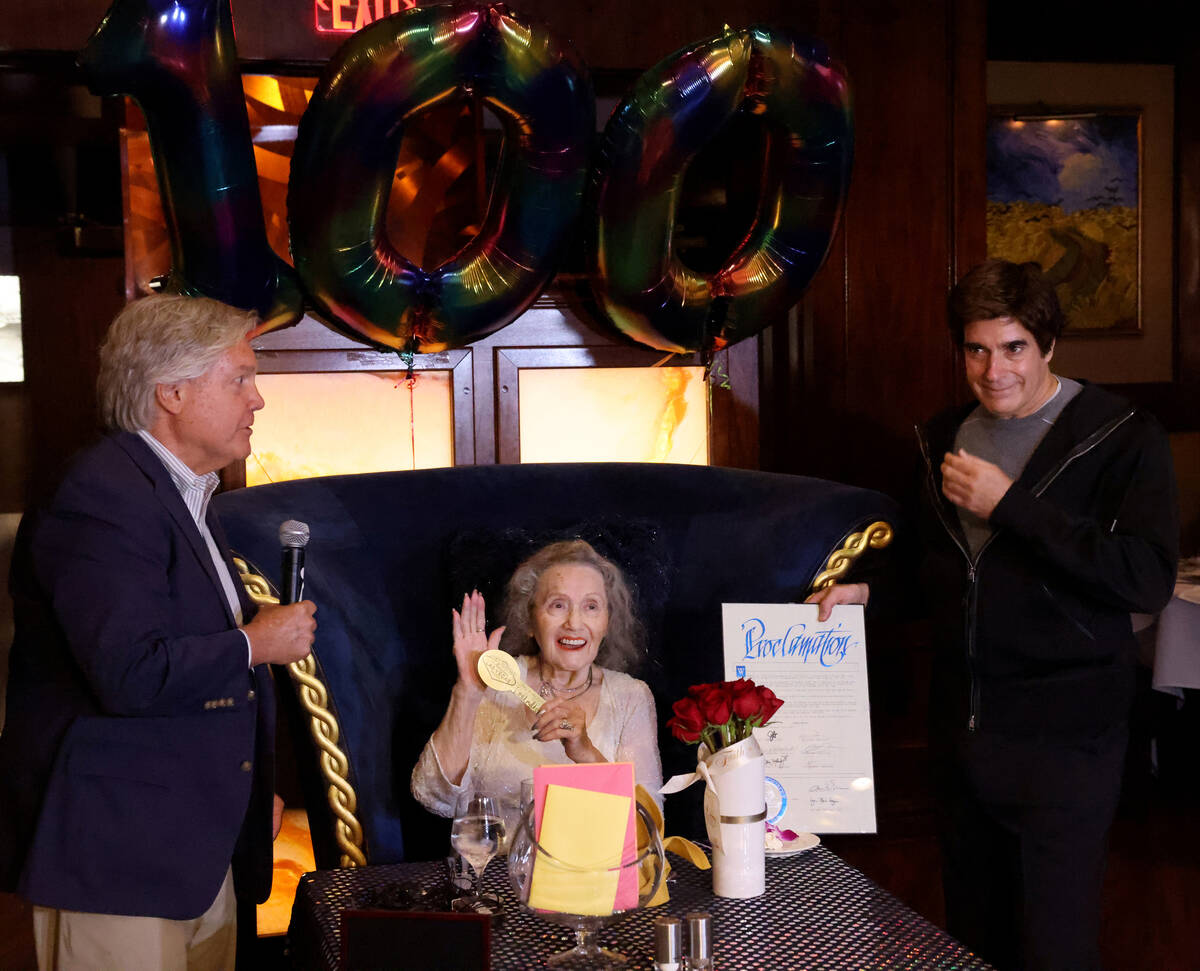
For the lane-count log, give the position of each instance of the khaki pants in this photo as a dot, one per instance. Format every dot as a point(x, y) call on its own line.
point(71, 941)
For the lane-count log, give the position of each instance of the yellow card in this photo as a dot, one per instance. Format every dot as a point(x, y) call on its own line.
point(584, 832)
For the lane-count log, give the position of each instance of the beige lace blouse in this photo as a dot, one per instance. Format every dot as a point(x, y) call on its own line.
point(503, 753)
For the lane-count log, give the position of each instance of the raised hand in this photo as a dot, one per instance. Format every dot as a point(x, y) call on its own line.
point(471, 639)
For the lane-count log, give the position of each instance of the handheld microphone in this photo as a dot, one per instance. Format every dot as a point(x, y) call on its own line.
point(293, 537)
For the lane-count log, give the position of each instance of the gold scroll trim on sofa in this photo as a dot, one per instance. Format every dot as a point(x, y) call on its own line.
point(876, 537)
point(325, 733)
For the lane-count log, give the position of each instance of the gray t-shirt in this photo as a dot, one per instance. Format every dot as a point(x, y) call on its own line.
point(1008, 443)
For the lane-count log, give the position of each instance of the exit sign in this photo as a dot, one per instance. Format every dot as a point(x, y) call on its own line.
point(347, 16)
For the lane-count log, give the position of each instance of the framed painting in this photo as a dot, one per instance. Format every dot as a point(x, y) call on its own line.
point(1064, 190)
point(1081, 174)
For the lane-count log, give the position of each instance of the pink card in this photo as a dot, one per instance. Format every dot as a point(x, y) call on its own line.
point(612, 777)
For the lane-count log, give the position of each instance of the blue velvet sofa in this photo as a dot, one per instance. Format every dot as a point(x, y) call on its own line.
point(391, 553)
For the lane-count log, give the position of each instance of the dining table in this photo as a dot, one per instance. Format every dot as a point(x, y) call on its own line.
point(1175, 645)
point(817, 912)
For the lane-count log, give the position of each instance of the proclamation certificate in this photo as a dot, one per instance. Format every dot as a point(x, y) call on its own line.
point(818, 746)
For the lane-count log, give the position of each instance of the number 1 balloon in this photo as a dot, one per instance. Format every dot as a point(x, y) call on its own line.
point(177, 59)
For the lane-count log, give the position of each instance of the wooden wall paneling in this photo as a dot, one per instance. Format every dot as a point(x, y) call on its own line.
point(63, 25)
point(773, 392)
point(1187, 228)
point(462, 386)
point(233, 476)
point(67, 304)
point(900, 228)
point(811, 359)
point(16, 442)
point(483, 404)
point(870, 335)
point(59, 144)
point(898, 231)
point(735, 405)
point(967, 108)
point(803, 365)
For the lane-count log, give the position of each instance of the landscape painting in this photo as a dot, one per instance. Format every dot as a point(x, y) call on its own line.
point(1063, 191)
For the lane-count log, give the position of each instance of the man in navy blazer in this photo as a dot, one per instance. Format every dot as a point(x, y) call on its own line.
point(136, 763)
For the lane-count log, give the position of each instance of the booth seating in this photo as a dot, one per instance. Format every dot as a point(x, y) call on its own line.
point(391, 553)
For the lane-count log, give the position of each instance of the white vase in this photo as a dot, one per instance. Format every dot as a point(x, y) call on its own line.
point(736, 817)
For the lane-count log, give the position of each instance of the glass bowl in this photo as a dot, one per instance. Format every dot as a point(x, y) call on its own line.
point(646, 868)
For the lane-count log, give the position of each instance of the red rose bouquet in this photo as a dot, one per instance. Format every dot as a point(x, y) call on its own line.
point(722, 713)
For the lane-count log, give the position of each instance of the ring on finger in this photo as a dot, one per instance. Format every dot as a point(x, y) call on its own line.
point(565, 725)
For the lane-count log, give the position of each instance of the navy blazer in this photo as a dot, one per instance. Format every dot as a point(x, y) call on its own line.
point(138, 746)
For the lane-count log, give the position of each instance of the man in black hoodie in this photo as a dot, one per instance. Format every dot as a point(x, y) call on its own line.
point(1048, 514)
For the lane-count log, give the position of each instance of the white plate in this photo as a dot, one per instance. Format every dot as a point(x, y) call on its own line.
point(802, 842)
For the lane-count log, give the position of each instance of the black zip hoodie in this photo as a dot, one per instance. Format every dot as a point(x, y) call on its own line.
point(1032, 635)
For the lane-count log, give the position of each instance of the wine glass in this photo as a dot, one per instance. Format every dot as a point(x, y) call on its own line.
point(477, 835)
point(645, 870)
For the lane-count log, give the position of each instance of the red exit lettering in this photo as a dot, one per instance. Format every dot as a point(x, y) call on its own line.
point(347, 16)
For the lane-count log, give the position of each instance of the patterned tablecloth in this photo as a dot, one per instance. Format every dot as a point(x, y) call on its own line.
point(817, 913)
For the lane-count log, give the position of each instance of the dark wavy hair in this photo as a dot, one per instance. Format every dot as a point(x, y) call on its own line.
point(621, 648)
point(998, 288)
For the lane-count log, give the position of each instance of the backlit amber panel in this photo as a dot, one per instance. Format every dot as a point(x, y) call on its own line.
point(350, 421)
point(614, 415)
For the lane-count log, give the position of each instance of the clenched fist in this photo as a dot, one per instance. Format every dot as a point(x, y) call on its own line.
point(280, 634)
point(972, 483)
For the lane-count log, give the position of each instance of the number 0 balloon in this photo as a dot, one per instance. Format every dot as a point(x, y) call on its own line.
point(675, 109)
point(346, 152)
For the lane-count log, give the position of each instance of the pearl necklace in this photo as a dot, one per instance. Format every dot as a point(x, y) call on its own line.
point(547, 690)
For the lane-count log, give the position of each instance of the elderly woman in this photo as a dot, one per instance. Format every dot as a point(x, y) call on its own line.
point(570, 622)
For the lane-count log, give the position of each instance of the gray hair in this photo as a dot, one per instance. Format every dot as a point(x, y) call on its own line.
point(162, 339)
point(621, 647)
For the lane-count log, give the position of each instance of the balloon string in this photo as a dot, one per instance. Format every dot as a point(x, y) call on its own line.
point(715, 370)
point(259, 463)
point(708, 400)
point(707, 360)
point(408, 356)
point(412, 416)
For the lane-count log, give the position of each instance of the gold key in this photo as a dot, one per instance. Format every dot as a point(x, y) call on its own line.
point(499, 670)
